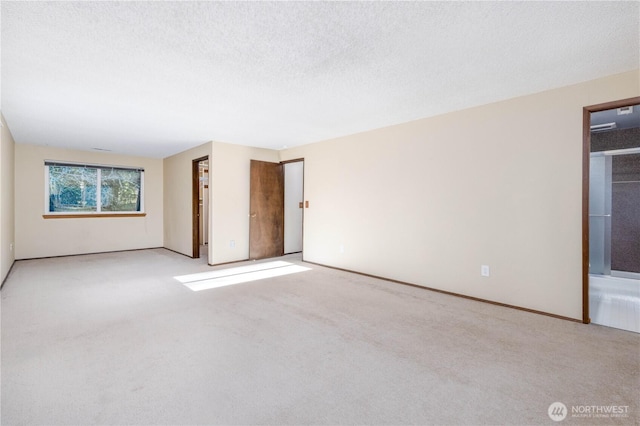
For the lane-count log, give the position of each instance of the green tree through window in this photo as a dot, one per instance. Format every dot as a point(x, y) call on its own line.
point(120, 190)
point(72, 188)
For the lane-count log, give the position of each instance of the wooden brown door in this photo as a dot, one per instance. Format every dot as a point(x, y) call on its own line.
point(266, 229)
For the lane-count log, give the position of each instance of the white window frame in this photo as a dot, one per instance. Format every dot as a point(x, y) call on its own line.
point(98, 211)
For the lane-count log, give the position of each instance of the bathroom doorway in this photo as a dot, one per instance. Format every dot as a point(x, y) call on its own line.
point(614, 217)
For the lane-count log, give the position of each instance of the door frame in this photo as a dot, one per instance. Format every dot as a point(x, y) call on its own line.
point(586, 156)
point(195, 206)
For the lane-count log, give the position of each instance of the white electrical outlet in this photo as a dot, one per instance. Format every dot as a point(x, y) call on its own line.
point(341, 248)
point(11, 247)
point(484, 270)
point(232, 243)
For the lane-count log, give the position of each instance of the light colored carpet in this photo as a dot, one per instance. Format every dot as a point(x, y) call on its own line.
point(115, 339)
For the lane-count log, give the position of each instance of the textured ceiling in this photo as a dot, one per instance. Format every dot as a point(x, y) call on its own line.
point(156, 78)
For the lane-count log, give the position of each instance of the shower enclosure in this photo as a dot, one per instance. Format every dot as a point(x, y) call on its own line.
point(614, 238)
point(614, 218)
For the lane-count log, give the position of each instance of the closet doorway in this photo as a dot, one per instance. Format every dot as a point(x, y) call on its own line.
point(200, 208)
point(276, 208)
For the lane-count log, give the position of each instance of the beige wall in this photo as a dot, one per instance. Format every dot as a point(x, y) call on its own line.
point(230, 179)
point(429, 201)
point(229, 172)
point(425, 202)
point(38, 237)
point(7, 199)
point(178, 219)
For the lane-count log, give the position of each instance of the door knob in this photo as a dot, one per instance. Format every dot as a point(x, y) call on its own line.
point(254, 214)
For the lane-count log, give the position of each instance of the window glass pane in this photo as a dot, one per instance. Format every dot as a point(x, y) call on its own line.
point(120, 190)
point(72, 189)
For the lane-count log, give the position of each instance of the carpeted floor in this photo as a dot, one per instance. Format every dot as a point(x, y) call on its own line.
point(116, 339)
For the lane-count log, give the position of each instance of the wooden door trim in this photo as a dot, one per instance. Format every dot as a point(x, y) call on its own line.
point(195, 204)
point(295, 160)
point(586, 156)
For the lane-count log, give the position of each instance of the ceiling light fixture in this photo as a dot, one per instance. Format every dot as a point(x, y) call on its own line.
point(603, 127)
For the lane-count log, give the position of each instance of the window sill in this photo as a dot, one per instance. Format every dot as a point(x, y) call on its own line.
point(85, 215)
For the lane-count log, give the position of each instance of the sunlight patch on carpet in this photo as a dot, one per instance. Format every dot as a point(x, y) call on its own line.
point(239, 275)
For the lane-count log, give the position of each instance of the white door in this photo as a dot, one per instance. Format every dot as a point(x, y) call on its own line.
point(293, 198)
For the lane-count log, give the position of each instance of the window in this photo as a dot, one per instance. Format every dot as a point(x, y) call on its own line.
point(84, 189)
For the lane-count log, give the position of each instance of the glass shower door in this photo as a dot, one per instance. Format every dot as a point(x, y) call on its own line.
point(600, 182)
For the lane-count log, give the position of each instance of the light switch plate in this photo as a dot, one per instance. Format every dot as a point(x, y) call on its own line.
point(484, 270)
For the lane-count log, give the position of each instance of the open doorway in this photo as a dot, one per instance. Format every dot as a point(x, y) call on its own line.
point(611, 215)
point(200, 208)
point(276, 208)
